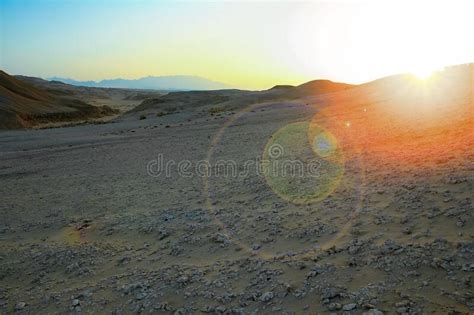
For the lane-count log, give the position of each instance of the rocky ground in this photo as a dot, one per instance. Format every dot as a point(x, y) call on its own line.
point(88, 226)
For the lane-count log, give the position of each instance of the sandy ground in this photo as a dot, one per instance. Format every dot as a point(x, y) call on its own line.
point(84, 227)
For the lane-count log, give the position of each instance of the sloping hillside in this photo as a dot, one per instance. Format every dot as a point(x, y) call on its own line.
point(233, 99)
point(321, 87)
point(120, 99)
point(24, 105)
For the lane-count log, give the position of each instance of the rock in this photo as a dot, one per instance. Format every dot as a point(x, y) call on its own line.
point(19, 306)
point(349, 307)
point(266, 297)
point(468, 267)
point(222, 239)
point(123, 260)
point(180, 311)
point(353, 249)
point(207, 309)
point(334, 306)
point(256, 246)
point(76, 302)
point(373, 312)
point(220, 309)
point(162, 234)
point(329, 293)
point(402, 303)
point(237, 311)
point(183, 279)
point(140, 296)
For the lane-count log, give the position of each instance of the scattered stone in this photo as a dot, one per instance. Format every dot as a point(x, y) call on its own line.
point(19, 306)
point(373, 312)
point(180, 311)
point(220, 309)
point(222, 239)
point(266, 297)
point(402, 303)
point(349, 307)
point(256, 246)
point(329, 293)
point(334, 306)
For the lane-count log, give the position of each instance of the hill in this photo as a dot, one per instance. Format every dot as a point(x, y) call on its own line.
point(232, 99)
point(92, 95)
point(25, 105)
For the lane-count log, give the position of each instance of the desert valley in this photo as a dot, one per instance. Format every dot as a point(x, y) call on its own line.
point(106, 207)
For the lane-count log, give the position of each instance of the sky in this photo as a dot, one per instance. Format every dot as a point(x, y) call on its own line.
point(253, 45)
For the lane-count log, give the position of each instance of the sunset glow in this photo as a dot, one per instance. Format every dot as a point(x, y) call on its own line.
point(408, 120)
point(423, 73)
point(257, 46)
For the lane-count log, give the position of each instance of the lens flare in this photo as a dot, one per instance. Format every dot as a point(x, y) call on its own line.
point(309, 165)
point(324, 145)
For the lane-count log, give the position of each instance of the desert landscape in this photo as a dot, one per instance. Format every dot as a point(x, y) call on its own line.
point(236, 157)
point(91, 223)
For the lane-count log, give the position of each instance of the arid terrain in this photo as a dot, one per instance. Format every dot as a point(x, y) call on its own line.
point(177, 203)
point(28, 102)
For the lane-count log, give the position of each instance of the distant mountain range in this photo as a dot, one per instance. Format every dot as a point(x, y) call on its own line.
point(169, 83)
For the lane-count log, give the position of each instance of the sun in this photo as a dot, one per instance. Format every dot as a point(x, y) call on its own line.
point(426, 72)
point(423, 73)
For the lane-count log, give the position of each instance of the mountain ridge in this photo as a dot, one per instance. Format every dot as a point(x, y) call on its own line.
point(169, 83)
